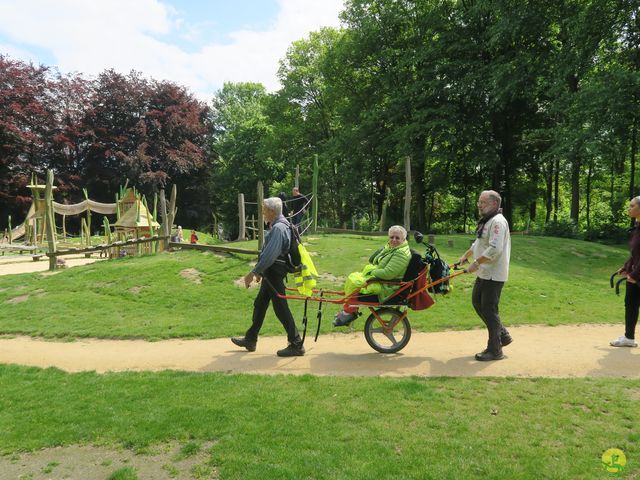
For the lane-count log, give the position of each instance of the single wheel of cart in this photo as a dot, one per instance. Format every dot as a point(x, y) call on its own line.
point(387, 330)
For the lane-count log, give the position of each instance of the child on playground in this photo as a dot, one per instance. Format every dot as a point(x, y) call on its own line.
point(194, 237)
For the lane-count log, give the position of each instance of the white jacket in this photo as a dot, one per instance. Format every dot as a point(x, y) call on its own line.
point(495, 244)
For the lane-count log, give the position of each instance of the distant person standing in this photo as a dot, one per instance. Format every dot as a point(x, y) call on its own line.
point(298, 205)
point(194, 237)
point(491, 251)
point(631, 270)
point(178, 237)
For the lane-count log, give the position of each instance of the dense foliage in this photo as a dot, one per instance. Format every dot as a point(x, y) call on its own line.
point(538, 100)
point(98, 134)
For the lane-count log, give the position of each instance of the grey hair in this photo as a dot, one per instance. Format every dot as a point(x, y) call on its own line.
point(637, 200)
point(493, 195)
point(274, 204)
point(399, 228)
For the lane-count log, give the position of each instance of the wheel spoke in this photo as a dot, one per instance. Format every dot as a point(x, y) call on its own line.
point(390, 336)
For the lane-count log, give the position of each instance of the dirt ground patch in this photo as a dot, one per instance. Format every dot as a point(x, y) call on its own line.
point(85, 462)
point(537, 351)
point(18, 299)
point(192, 274)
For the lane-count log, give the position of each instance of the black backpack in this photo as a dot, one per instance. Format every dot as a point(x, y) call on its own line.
point(438, 269)
point(294, 262)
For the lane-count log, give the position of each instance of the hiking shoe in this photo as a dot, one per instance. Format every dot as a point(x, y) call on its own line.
point(505, 340)
point(342, 319)
point(623, 342)
point(488, 355)
point(243, 342)
point(292, 350)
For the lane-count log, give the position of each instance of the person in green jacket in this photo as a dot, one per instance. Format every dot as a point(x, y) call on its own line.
point(388, 264)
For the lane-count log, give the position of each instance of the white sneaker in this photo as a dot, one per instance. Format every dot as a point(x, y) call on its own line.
point(623, 342)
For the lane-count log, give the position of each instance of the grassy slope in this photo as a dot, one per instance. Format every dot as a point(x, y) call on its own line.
point(320, 427)
point(553, 281)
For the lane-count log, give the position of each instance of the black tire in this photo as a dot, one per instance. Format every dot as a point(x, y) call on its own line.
point(391, 341)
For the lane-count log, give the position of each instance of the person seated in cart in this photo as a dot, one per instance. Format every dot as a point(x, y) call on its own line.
point(388, 264)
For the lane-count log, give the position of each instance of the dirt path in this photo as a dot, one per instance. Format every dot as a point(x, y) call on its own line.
point(563, 351)
point(12, 264)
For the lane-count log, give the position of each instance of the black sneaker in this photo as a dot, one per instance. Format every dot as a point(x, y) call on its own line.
point(243, 342)
point(292, 350)
point(505, 340)
point(488, 355)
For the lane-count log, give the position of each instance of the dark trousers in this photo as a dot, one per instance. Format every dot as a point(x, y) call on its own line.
point(485, 299)
point(272, 282)
point(631, 307)
point(297, 218)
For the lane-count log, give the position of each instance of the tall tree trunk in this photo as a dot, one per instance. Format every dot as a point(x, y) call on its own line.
point(634, 148)
point(549, 191)
point(556, 190)
point(575, 187)
point(432, 201)
point(588, 193)
point(418, 167)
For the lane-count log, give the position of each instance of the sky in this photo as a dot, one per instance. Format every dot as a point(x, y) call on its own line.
point(196, 43)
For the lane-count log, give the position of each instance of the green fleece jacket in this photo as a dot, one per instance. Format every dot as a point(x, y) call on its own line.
point(391, 263)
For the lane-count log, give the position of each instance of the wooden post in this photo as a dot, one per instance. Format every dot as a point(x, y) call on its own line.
point(49, 219)
point(407, 194)
point(172, 206)
point(314, 193)
point(86, 198)
point(10, 235)
point(241, 219)
point(166, 226)
point(260, 216)
point(215, 225)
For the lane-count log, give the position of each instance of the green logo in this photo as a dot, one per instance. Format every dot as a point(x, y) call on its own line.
point(614, 460)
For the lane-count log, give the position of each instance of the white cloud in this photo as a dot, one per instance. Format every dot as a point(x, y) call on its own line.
point(90, 36)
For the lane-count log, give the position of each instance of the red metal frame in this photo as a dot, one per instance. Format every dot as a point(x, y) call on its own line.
point(345, 299)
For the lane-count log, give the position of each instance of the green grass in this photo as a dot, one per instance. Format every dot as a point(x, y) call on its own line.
point(289, 427)
point(552, 281)
point(282, 427)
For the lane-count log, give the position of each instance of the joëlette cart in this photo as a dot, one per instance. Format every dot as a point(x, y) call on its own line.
point(387, 328)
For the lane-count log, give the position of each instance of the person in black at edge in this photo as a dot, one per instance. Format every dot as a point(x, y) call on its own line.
point(631, 270)
point(298, 201)
point(272, 267)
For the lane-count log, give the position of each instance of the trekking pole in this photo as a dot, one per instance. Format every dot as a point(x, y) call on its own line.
point(304, 321)
point(319, 316)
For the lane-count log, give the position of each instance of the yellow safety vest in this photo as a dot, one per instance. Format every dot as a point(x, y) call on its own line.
point(306, 277)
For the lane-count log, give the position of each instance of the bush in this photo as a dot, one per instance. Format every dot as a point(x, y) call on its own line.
point(607, 233)
point(559, 228)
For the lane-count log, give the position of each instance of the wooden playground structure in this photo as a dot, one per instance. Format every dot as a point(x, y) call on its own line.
point(135, 231)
